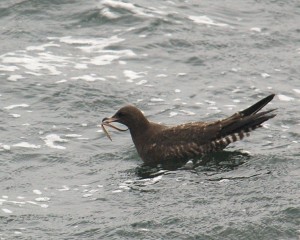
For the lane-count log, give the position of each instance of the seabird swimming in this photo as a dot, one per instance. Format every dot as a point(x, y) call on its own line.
point(158, 143)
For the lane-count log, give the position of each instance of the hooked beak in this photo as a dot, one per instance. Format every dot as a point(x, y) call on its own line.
point(107, 122)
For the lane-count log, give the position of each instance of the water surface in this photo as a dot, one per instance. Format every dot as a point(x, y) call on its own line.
point(64, 65)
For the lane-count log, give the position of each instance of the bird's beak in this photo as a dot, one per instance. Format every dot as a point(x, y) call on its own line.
point(107, 122)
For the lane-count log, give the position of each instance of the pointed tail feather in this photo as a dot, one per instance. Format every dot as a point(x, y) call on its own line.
point(257, 106)
point(248, 122)
point(248, 119)
point(238, 130)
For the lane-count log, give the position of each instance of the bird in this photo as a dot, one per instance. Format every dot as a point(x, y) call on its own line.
point(158, 143)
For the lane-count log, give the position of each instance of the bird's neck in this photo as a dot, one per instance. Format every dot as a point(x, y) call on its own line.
point(142, 136)
point(139, 130)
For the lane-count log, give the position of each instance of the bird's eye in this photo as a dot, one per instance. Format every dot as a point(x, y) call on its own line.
point(121, 114)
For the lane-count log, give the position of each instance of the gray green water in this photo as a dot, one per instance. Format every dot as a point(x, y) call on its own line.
point(64, 65)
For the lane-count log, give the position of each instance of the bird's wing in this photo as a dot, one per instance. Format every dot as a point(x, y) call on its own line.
point(198, 132)
point(184, 141)
point(233, 128)
point(218, 133)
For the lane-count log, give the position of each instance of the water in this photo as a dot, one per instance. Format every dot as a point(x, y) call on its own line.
point(64, 65)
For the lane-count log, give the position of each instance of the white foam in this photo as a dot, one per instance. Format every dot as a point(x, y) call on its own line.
point(206, 20)
point(157, 100)
point(285, 98)
point(180, 74)
point(6, 210)
point(255, 29)
point(236, 90)
point(213, 108)
point(144, 229)
point(104, 59)
point(17, 202)
point(153, 180)
point(224, 180)
point(65, 188)
point(124, 187)
point(189, 165)
point(87, 195)
point(8, 68)
point(14, 78)
point(31, 202)
point(126, 6)
point(88, 78)
point(188, 112)
point(91, 44)
point(36, 64)
point(26, 145)
point(23, 105)
point(296, 90)
point(34, 73)
point(36, 191)
point(107, 13)
point(15, 115)
point(42, 199)
point(265, 75)
point(73, 135)
point(173, 114)
point(93, 190)
point(41, 47)
point(285, 126)
point(4, 147)
point(117, 191)
point(133, 75)
point(80, 66)
point(177, 90)
point(61, 81)
point(112, 77)
point(161, 75)
point(51, 138)
point(141, 82)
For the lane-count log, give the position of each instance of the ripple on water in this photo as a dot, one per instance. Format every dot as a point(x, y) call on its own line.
point(88, 59)
point(50, 139)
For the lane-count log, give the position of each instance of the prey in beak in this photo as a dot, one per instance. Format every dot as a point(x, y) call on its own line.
point(107, 122)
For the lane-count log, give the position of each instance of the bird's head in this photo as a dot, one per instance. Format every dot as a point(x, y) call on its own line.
point(129, 116)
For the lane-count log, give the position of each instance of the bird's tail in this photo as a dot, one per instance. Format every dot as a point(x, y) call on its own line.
point(241, 123)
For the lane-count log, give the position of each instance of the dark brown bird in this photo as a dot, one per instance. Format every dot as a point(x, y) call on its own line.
point(157, 143)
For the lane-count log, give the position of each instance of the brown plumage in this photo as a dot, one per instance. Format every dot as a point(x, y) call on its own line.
point(157, 143)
